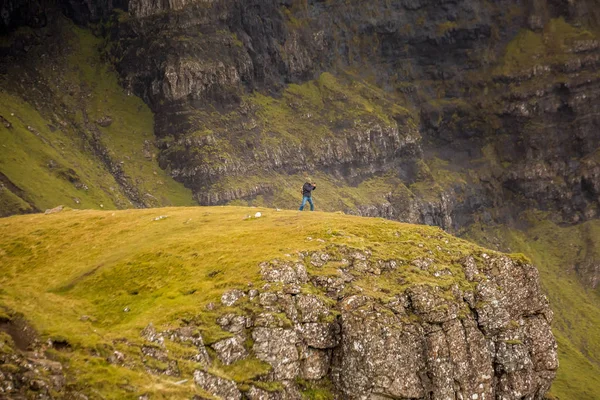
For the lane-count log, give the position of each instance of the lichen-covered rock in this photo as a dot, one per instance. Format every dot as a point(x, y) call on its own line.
point(378, 353)
point(315, 363)
point(188, 334)
point(230, 350)
point(231, 297)
point(255, 393)
point(221, 388)
point(284, 272)
point(233, 323)
point(311, 308)
point(150, 334)
point(319, 335)
point(430, 303)
point(278, 347)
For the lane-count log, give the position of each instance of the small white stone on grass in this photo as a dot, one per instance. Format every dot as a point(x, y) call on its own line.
point(257, 215)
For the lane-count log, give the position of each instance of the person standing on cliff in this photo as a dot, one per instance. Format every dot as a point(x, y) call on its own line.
point(307, 195)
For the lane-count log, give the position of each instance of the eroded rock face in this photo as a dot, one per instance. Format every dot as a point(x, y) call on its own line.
point(488, 337)
point(524, 116)
point(219, 387)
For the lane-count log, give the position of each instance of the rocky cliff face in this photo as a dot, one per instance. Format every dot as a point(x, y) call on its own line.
point(507, 90)
point(501, 89)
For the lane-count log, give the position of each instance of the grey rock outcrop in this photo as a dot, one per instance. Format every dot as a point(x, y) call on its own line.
point(219, 387)
point(488, 337)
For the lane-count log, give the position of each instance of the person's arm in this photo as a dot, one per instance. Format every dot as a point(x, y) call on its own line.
point(313, 186)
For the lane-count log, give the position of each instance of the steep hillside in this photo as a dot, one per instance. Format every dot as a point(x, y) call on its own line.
point(70, 134)
point(175, 302)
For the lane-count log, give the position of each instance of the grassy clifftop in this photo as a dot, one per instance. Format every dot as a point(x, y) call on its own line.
point(92, 280)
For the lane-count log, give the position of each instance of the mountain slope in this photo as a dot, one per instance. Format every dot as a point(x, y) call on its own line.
point(70, 134)
point(211, 301)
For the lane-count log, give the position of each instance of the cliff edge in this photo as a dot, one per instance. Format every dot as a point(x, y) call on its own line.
point(215, 302)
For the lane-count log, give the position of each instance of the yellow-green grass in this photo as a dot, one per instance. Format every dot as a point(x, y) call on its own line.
point(550, 46)
point(556, 250)
point(56, 268)
point(48, 155)
point(27, 153)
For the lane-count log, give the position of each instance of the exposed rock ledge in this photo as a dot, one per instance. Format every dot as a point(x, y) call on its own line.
point(492, 341)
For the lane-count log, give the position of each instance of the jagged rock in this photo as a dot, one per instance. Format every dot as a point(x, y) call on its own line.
point(319, 259)
point(230, 350)
point(116, 358)
point(393, 348)
point(470, 268)
point(187, 334)
point(280, 302)
point(429, 303)
point(511, 289)
point(277, 347)
point(332, 285)
point(311, 308)
point(149, 333)
point(255, 393)
point(54, 210)
point(104, 121)
point(285, 272)
point(270, 320)
point(219, 387)
point(315, 363)
point(231, 297)
point(233, 323)
point(319, 335)
point(155, 352)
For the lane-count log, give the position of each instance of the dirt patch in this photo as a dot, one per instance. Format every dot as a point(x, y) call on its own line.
point(23, 335)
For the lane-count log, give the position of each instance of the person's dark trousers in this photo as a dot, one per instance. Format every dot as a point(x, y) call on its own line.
point(304, 200)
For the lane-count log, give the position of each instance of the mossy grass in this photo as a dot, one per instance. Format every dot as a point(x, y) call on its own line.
point(550, 46)
point(125, 269)
point(311, 390)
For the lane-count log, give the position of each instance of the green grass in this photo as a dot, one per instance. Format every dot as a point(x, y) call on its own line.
point(25, 159)
point(56, 268)
point(556, 250)
point(47, 154)
point(550, 46)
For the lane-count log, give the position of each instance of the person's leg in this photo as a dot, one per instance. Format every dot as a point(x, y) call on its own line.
point(312, 206)
point(303, 203)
